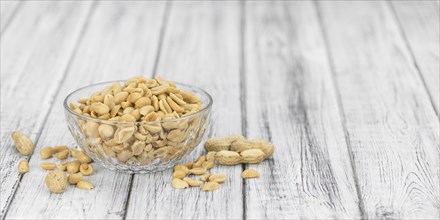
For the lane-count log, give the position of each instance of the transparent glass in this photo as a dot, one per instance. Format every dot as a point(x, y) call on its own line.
point(138, 147)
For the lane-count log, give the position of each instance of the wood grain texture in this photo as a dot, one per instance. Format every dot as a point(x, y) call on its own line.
point(201, 48)
point(291, 101)
point(35, 52)
point(7, 11)
point(420, 22)
point(120, 42)
point(393, 129)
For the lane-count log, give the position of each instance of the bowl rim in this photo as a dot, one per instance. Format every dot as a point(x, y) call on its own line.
point(204, 109)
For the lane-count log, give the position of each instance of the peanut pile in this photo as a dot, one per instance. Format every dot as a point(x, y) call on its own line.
point(141, 99)
point(230, 150)
point(56, 180)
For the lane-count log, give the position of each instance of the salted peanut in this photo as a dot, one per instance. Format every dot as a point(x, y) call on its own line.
point(250, 174)
point(23, 166)
point(91, 129)
point(176, 135)
point(219, 178)
point(209, 186)
point(179, 174)
point(122, 134)
point(177, 99)
point(73, 167)
point(189, 165)
point(56, 181)
point(22, 142)
point(105, 131)
point(211, 156)
point(74, 178)
point(62, 155)
point(86, 185)
point(46, 153)
point(179, 184)
point(197, 171)
point(82, 157)
point(174, 106)
point(221, 143)
point(138, 147)
point(192, 182)
point(199, 161)
point(208, 164)
point(109, 100)
point(182, 168)
point(128, 118)
point(100, 108)
point(48, 166)
point(204, 177)
point(86, 169)
point(252, 156)
point(141, 102)
point(58, 149)
point(124, 155)
point(145, 110)
point(62, 166)
point(227, 157)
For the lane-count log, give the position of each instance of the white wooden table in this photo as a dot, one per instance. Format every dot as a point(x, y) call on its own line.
point(347, 91)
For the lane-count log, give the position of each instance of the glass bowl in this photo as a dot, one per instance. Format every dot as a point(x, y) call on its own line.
point(138, 147)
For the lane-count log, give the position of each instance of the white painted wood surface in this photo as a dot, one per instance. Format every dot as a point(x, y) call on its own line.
point(392, 126)
point(347, 91)
point(288, 79)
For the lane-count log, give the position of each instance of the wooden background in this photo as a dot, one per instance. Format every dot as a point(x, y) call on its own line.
point(347, 91)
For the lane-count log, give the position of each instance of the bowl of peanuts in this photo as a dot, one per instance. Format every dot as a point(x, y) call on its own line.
point(140, 125)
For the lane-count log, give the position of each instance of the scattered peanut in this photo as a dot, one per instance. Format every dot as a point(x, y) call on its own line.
point(250, 174)
point(73, 167)
point(197, 171)
point(204, 177)
point(46, 153)
point(192, 182)
point(74, 178)
point(23, 166)
point(63, 154)
point(181, 168)
point(22, 142)
point(209, 186)
point(56, 181)
point(86, 169)
point(82, 157)
point(58, 149)
point(86, 185)
point(48, 166)
point(219, 178)
point(179, 184)
point(62, 166)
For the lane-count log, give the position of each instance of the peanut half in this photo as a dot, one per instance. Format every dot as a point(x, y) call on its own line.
point(209, 186)
point(250, 174)
point(48, 166)
point(179, 184)
point(86, 185)
point(23, 166)
point(46, 153)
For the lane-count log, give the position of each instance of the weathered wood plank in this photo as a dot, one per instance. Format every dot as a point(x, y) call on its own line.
point(393, 129)
point(35, 51)
point(420, 23)
point(201, 48)
point(290, 100)
point(7, 11)
point(120, 42)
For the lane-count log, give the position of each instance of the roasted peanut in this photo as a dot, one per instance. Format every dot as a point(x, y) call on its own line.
point(23, 166)
point(192, 182)
point(57, 149)
point(179, 184)
point(179, 174)
point(74, 178)
point(209, 186)
point(73, 167)
point(22, 142)
point(48, 166)
point(197, 171)
point(204, 177)
point(86, 185)
point(219, 178)
point(250, 174)
point(62, 155)
point(86, 169)
point(62, 166)
point(56, 181)
point(82, 157)
point(46, 153)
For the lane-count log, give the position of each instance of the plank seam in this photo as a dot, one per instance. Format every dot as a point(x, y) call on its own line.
point(411, 53)
point(11, 18)
point(341, 112)
point(242, 84)
point(69, 63)
point(162, 33)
